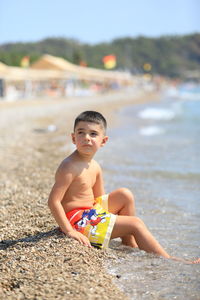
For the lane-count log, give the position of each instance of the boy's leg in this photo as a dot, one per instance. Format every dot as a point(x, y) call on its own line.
point(126, 225)
point(121, 202)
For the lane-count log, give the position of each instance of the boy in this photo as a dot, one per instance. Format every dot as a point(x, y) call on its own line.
point(78, 201)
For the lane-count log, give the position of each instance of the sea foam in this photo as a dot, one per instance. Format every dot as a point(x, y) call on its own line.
point(157, 114)
point(151, 130)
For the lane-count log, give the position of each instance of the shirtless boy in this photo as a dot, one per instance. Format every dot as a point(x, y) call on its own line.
point(77, 202)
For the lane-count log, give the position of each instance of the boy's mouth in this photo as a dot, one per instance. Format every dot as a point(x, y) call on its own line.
point(87, 145)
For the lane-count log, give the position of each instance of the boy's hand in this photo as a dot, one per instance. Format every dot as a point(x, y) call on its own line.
point(82, 239)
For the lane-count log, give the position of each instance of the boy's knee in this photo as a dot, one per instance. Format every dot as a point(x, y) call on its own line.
point(137, 224)
point(126, 193)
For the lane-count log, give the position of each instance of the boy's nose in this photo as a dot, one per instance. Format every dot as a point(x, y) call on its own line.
point(87, 137)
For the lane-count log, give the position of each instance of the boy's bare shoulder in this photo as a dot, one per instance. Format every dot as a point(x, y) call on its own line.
point(67, 165)
point(96, 166)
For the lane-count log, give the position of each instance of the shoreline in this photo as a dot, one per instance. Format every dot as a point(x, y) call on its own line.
point(38, 262)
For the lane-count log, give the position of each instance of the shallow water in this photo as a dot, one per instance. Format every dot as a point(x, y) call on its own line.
point(155, 152)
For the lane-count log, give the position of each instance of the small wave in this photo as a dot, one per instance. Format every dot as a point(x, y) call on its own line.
point(189, 91)
point(157, 114)
point(184, 95)
point(151, 130)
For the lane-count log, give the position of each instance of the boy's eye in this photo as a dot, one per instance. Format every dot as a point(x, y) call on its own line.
point(94, 134)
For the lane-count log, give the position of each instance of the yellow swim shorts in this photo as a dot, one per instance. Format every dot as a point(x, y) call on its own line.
point(94, 222)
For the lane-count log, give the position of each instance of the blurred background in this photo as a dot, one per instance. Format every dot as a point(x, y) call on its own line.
point(74, 50)
point(69, 48)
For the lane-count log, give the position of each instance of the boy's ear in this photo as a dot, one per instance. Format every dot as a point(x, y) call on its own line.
point(73, 138)
point(104, 141)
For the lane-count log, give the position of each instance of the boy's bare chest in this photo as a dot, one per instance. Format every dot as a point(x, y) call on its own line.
point(85, 180)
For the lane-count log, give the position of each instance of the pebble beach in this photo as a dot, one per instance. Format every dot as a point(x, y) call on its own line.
point(37, 261)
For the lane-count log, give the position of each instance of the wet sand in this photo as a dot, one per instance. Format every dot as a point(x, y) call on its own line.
point(38, 262)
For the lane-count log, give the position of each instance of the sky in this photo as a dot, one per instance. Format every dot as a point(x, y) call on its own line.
point(93, 22)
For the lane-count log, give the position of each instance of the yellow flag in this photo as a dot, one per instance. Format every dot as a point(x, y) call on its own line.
point(147, 67)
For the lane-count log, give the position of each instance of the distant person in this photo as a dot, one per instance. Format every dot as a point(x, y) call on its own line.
point(78, 201)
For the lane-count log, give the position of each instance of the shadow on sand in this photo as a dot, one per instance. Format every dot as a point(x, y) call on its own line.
point(4, 244)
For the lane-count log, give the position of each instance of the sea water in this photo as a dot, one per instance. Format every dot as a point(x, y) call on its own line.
point(155, 152)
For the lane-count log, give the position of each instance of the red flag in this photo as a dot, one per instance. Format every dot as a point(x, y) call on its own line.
point(109, 61)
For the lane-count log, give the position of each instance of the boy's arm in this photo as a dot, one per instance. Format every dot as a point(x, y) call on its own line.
point(98, 188)
point(63, 180)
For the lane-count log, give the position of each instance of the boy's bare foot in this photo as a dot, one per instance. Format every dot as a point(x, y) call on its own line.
point(190, 262)
point(197, 261)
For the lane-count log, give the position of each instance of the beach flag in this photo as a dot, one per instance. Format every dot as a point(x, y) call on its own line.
point(25, 62)
point(147, 67)
point(109, 61)
point(83, 63)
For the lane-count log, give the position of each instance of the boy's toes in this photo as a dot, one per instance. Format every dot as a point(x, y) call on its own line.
point(197, 261)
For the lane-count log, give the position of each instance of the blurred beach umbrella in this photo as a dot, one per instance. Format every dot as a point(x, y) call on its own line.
point(50, 67)
point(49, 62)
point(3, 67)
point(109, 61)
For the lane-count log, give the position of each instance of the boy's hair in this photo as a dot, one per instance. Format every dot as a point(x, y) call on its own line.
point(91, 116)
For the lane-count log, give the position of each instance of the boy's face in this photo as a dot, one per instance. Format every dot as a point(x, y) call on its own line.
point(88, 137)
